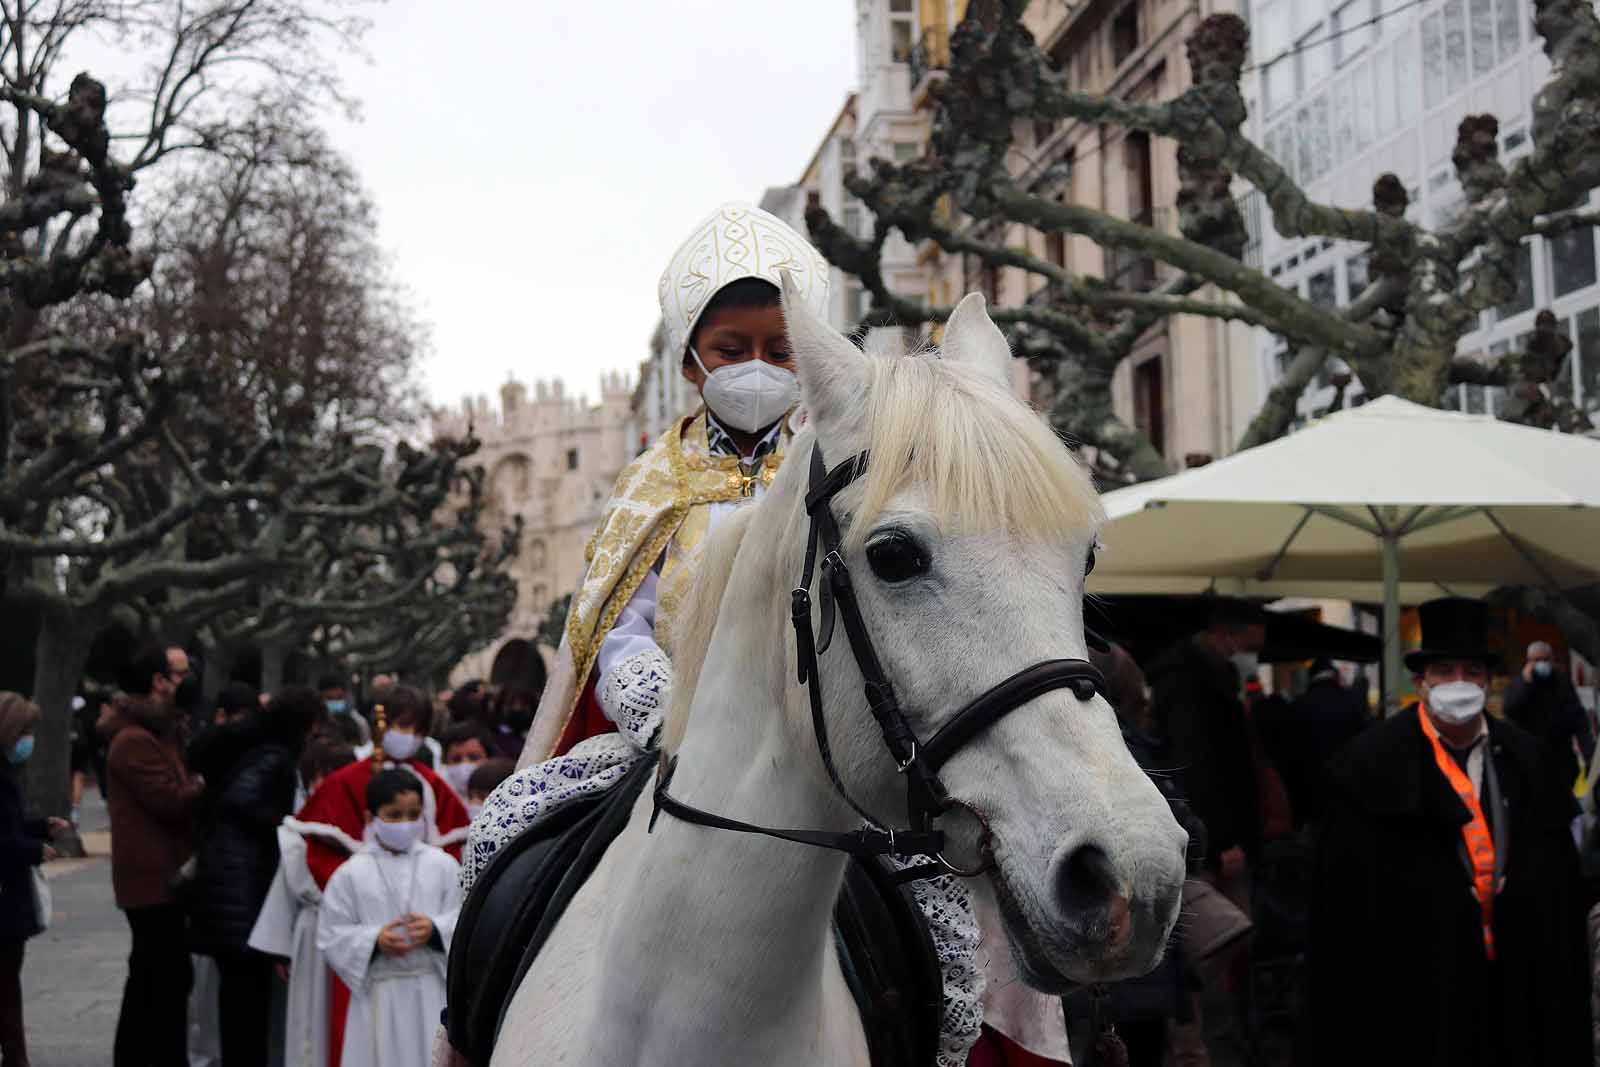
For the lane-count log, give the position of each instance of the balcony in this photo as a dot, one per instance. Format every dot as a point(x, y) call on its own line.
point(930, 58)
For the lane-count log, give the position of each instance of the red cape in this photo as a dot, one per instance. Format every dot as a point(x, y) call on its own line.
point(587, 721)
point(339, 807)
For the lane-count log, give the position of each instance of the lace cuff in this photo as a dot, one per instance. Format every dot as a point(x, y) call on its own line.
point(634, 695)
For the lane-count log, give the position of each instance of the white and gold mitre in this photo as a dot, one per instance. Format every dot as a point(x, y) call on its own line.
point(736, 241)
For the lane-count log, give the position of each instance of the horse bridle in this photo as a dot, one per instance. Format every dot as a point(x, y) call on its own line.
point(919, 761)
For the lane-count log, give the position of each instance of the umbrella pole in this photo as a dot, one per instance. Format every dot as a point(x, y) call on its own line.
point(1392, 666)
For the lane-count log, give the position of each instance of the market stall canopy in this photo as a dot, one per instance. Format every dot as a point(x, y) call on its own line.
point(1390, 501)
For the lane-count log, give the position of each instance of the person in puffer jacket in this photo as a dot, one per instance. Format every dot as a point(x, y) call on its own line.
point(235, 864)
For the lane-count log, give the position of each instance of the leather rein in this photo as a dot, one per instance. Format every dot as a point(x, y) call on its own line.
point(919, 761)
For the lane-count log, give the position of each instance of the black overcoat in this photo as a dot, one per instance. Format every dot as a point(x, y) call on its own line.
point(22, 842)
point(238, 853)
point(1398, 969)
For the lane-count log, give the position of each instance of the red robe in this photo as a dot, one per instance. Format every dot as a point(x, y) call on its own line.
point(588, 720)
point(341, 802)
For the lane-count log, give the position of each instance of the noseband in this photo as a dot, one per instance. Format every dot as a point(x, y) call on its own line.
point(919, 761)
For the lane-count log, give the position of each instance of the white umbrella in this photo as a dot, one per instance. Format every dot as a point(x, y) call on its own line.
point(1390, 501)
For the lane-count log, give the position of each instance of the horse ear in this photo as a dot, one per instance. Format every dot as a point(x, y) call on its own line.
point(833, 372)
point(972, 338)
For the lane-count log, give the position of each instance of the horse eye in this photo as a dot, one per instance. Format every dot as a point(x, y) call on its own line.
point(1088, 566)
point(896, 558)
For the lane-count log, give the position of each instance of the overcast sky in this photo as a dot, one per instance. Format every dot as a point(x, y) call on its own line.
point(534, 168)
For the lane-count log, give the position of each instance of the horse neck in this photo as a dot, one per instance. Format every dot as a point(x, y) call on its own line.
point(735, 904)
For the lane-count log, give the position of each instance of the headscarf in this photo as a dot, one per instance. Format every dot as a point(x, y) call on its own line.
point(18, 717)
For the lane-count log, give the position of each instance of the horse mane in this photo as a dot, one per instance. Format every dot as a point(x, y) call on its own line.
point(699, 619)
point(984, 459)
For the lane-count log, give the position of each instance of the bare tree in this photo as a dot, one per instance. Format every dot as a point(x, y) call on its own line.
point(99, 478)
point(1399, 336)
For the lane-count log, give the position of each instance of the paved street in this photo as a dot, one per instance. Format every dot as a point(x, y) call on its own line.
point(72, 978)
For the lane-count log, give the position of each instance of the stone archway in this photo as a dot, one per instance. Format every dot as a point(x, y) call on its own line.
point(518, 665)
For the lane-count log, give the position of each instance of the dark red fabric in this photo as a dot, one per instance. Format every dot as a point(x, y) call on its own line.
point(338, 1008)
point(995, 1049)
point(587, 720)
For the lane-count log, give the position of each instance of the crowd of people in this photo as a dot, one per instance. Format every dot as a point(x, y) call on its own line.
point(286, 861)
point(1404, 890)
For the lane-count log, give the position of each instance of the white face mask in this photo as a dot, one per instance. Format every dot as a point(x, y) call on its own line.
point(1456, 703)
point(748, 396)
point(1247, 664)
point(457, 774)
point(400, 747)
point(397, 836)
point(473, 811)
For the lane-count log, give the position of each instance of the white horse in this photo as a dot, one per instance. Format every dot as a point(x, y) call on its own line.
point(968, 539)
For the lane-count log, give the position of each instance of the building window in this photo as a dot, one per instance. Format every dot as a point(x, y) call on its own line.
point(847, 156)
point(902, 30)
point(1480, 17)
point(1587, 349)
point(1509, 25)
point(1572, 264)
point(905, 151)
point(572, 459)
point(1352, 30)
point(536, 554)
point(1055, 248)
point(991, 284)
point(1386, 90)
point(1125, 34)
point(1523, 300)
point(1322, 289)
point(851, 220)
point(1316, 59)
point(1272, 41)
point(1455, 44)
point(1433, 75)
point(1149, 402)
point(1356, 274)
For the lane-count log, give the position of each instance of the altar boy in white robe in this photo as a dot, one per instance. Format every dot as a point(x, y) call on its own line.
point(387, 917)
point(286, 926)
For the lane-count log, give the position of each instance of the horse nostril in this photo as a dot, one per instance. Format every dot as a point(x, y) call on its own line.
point(1086, 883)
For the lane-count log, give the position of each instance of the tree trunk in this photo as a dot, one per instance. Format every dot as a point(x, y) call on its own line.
point(219, 661)
point(60, 653)
point(274, 656)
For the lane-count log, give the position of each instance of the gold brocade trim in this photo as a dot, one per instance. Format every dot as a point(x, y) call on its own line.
point(698, 478)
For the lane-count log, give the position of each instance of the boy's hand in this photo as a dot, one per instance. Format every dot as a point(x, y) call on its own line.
point(394, 940)
point(420, 927)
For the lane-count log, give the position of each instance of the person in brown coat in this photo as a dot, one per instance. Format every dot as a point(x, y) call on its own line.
point(151, 798)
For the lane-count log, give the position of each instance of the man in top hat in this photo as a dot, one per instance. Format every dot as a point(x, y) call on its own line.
point(1448, 927)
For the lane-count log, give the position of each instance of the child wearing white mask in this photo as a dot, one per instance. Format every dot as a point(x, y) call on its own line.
point(722, 320)
point(387, 918)
point(466, 745)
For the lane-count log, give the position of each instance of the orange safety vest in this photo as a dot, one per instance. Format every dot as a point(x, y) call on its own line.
point(1475, 831)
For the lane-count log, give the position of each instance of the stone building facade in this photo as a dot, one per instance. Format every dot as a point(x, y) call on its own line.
point(551, 458)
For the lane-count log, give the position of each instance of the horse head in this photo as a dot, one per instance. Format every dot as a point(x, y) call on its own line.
point(968, 539)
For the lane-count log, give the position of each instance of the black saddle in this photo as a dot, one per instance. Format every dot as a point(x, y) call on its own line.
point(884, 946)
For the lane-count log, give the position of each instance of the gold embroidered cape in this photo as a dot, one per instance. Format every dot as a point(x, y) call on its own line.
point(657, 511)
